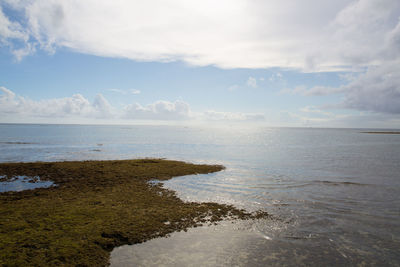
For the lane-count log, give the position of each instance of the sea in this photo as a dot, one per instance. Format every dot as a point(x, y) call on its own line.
point(333, 194)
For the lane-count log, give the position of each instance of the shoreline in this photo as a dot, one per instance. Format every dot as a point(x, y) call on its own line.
point(97, 206)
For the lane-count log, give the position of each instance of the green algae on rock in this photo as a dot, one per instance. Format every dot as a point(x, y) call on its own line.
point(94, 207)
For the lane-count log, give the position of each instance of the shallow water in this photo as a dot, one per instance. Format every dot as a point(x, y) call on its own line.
point(227, 244)
point(335, 192)
point(20, 183)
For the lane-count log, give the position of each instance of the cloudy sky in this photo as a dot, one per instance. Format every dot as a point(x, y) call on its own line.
point(277, 63)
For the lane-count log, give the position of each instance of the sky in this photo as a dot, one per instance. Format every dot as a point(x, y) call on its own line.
point(307, 63)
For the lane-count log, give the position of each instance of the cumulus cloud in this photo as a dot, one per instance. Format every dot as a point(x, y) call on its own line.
point(179, 110)
point(276, 77)
point(310, 35)
point(377, 90)
point(77, 105)
point(13, 35)
point(125, 92)
point(8, 103)
point(314, 117)
point(102, 107)
point(322, 90)
point(10, 30)
point(233, 87)
point(313, 91)
point(160, 110)
point(134, 91)
point(252, 82)
point(232, 116)
point(316, 111)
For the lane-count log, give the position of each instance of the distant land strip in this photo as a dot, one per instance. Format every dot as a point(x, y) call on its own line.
point(381, 132)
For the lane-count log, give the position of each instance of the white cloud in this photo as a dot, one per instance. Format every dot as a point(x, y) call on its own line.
point(102, 106)
point(24, 51)
point(160, 110)
point(179, 110)
point(76, 108)
point(348, 77)
point(8, 103)
point(252, 82)
point(313, 117)
point(134, 91)
point(115, 90)
point(80, 107)
point(276, 77)
point(300, 89)
point(77, 105)
point(232, 116)
point(362, 26)
point(10, 30)
point(376, 90)
point(233, 87)
point(15, 37)
point(313, 91)
point(316, 111)
point(310, 35)
point(125, 92)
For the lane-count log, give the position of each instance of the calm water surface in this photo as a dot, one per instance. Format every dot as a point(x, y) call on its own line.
point(335, 193)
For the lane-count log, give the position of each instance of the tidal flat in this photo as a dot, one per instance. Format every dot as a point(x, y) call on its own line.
point(95, 206)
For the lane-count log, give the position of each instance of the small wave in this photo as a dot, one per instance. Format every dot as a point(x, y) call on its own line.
point(293, 237)
point(17, 143)
point(281, 186)
point(336, 183)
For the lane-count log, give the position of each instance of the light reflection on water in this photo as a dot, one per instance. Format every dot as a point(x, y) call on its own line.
point(238, 244)
point(336, 192)
point(331, 227)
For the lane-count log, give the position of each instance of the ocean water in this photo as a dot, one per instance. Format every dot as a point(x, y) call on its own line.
point(334, 193)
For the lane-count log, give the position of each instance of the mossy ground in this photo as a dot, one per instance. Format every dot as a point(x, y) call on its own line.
point(96, 206)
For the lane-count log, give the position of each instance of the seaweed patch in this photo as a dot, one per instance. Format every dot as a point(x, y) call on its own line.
point(96, 206)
